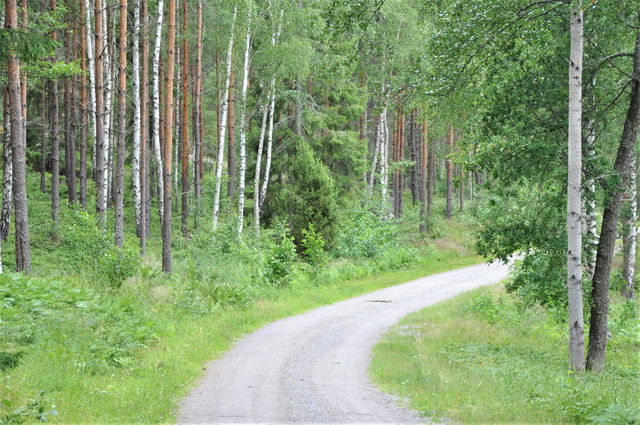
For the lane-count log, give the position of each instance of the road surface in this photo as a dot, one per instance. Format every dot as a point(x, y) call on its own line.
point(312, 368)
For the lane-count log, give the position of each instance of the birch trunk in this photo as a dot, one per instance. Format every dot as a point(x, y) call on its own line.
point(84, 115)
point(155, 66)
point(99, 112)
point(256, 189)
point(272, 108)
point(137, 117)
point(223, 125)
point(144, 132)
point(384, 160)
point(55, 146)
point(7, 172)
point(122, 130)
point(449, 167)
point(92, 69)
point(631, 234)
point(243, 121)
point(376, 153)
point(107, 115)
point(197, 134)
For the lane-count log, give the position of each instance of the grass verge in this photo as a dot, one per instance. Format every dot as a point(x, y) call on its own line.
point(482, 358)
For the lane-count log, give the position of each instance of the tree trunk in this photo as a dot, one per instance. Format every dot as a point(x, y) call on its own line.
point(231, 125)
point(384, 155)
point(44, 136)
point(185, 117)
point(69, 131)
point(376, 153)
point(99, 121)
point(630, 234)
point(223, 124)
point(137, 116)
point(92, 70)
point(197, 133)
point(590, 229)
point(424, 177)
point(107, 56)
point(243, 121)
point(144, 131)
point(168, 143)
point(7, 171)
point(84, 106)
point(122, 129)
point(256, 188)
point(601, 277)
point(18, 142)
point(156, 128)
point(55, 145)
point(574, 203)
point(449, 166)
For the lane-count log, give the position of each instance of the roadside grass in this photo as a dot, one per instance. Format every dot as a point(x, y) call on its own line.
point(482, 358)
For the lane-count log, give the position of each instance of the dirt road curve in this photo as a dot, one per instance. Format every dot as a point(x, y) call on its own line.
point(312, 368)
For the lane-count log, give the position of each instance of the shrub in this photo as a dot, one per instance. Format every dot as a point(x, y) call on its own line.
point(313, 246)
point(90, 252)
point(365, 235)
point(281, 256)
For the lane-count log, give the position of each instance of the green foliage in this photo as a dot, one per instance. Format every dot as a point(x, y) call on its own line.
point(313, 246)
point(281, 256)
point(307, 193)
point(365, 235)
point(90, 252)
point(38, 408)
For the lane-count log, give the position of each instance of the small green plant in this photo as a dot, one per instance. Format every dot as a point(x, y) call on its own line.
point(38, 408)
point(280, 257)
point(313, 246)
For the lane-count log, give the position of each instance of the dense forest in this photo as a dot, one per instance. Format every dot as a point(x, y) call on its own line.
point(164, 160)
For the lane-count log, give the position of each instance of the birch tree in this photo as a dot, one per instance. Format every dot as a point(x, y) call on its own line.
point(99, 112)
point(185, 117)
point(223, 124)
point(155, 66)
point(243, 120)
point(137, 115)
point(630, 234)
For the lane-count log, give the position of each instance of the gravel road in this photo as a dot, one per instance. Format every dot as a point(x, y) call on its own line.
point(312, 368)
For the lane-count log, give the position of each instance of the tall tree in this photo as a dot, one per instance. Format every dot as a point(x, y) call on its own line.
point(243, 120)
point(574, 203)
point(101, 202)
point(55, 143)
point(197, 134)
point(231, 126)
point(423, 178)
point(449, 167)
point(168, 142)
point(598, 328)
point(84, 105)
point(630, 234)
point(156, 127)
point(137, 117)
point(185, 117)
point(7, 170)
point(145, 201)
point(223, 124)
point(19, 151)
point(122, 129)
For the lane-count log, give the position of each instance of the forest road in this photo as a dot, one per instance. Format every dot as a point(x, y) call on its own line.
point(312, 368)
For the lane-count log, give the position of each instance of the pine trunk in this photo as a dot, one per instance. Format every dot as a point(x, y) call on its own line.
point(99, 121)
point(122, 129)
point(185, 118)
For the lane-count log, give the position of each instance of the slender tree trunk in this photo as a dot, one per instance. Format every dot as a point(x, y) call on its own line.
point(384, 162)
point(449, 166)
point(185, 117)
point(461, 190)
point(231, 125)
point(18, 142)
point(99, 121)
point(431, 173)
point(84, 106)
point(424, 177)
point(137, 116)
point(55, 146)
point(69, 131)
point(144, 131)
point(168, 143)
point(197, 139)
point(256, 188)
point(272, 107)
point(155, 66)
point(44, 136)
point(590, 229)
point(601, 277)
point(243, 121)
point(108, 106)
point(92, 70)
point(223, 127)
point(122, 129)
point(7, 171)
point(630, 234)
point(376, 153)
point(574, 202)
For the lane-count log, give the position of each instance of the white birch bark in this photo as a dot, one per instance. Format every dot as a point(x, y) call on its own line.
point(256, 189)
point(384, 158)
point(223, 124)
point(590, 235)
point(88, 7)
point(630, 243)
point(272, 106)
point(376, 153)
point(155, 66)
point(243, 121)
point(108, 92)
point(574, 203)
point(137, 109)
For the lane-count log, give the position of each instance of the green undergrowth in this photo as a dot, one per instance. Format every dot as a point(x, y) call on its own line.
point(483, 358)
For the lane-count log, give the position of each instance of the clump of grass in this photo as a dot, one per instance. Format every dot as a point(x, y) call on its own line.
point(485, 358)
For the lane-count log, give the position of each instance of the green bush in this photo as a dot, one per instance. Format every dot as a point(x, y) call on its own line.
point(313, 246)
point(89, 251)
point(281, 256)
point(365, 235)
